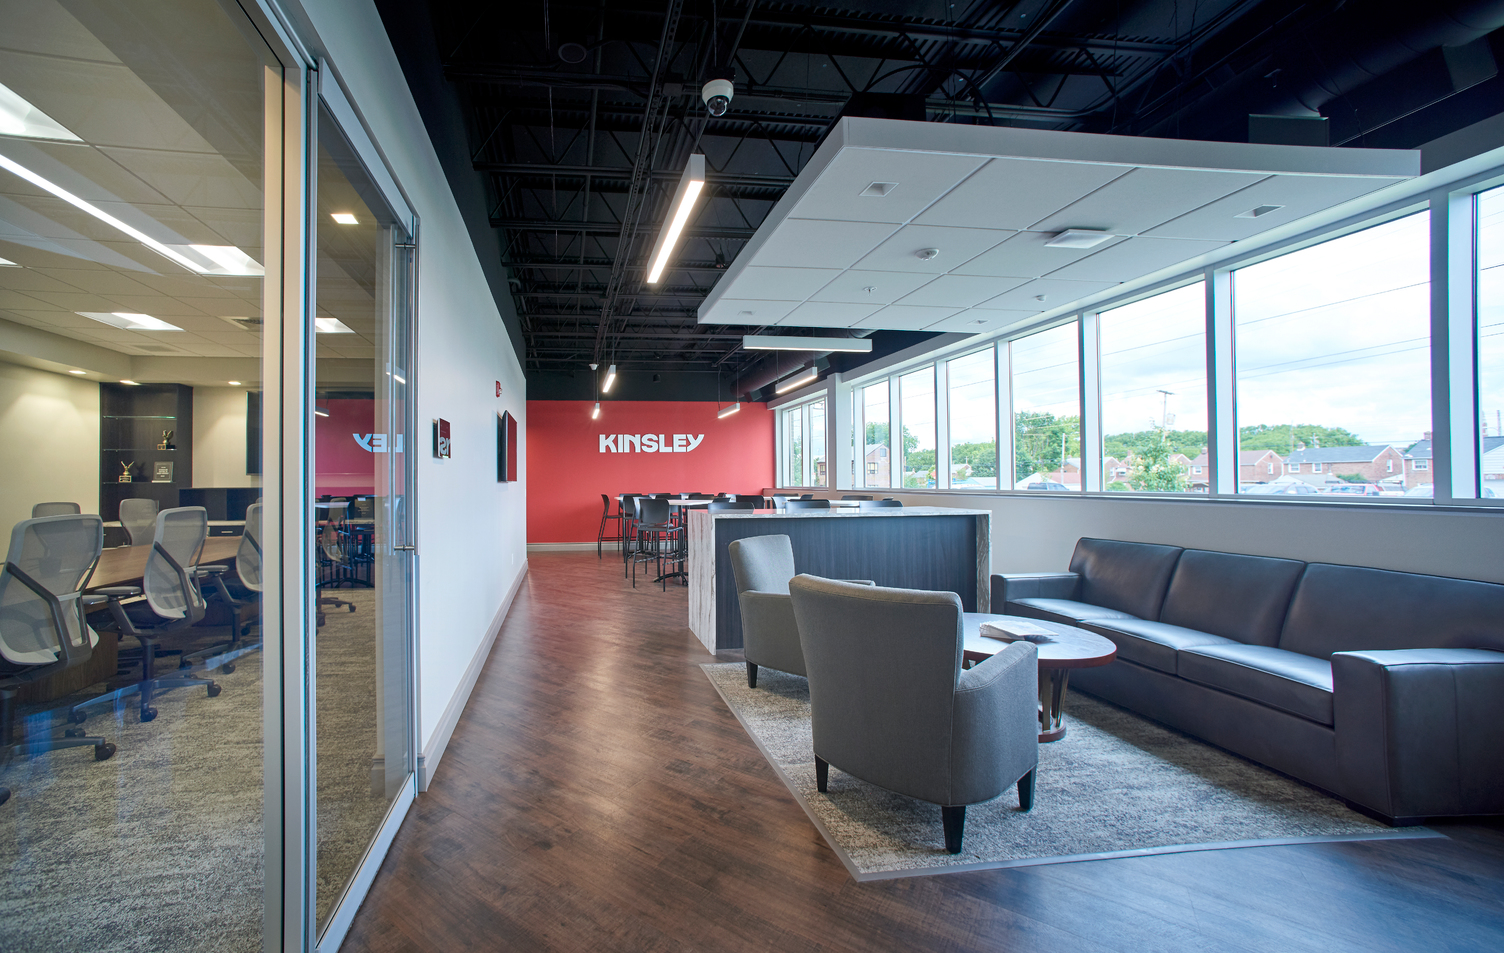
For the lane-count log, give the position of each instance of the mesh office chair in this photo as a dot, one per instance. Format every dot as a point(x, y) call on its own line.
point(238, 596)
point(139, 517)
point(42, 627)
point(54, 509)
point(793, 505)
point(878, 504)
point(334, 558)
point(172, 603)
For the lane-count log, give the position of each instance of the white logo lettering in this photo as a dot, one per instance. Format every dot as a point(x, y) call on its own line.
point(639, 443)
point(364, 439)
point(377, 442)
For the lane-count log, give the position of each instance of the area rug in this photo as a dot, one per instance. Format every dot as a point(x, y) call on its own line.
point(1116, 785)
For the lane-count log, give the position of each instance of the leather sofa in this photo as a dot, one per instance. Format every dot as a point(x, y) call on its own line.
point(1384, 688)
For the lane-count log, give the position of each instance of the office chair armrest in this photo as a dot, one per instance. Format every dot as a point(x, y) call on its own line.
point(93, 599)
point(859, 582)
point(118, 592)
point(208, 570)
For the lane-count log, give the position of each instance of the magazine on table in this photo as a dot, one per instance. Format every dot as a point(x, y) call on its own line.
point(1017, 630)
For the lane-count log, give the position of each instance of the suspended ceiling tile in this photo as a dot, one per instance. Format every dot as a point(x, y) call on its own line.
point(1016, 193)
point(1055, 291)
point(1134, 258)
point(1145, 198)
point(158, 306)
point(870, 287)
point(911, 180)
point(16, 300)
point(973, 321)
point(79, 301)
point(748, 311)
point(208, 181)
point(1026, 255)
point(805, 243)
point(30, 281)
point(960, 291)
point(898, 317)
point(826, 314)
point(784, 284)
point(1298, 196)
point(953, 245)
point(82, 170)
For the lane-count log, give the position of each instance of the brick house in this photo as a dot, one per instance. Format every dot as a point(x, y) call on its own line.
point(1418, 462)
point(1254, 466)
point(877, 463)
point(1374, 463)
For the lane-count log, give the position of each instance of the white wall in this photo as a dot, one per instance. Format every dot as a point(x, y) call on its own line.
point(49, 442)
point(1037, 533)
point(219, 437)
point(472, 530)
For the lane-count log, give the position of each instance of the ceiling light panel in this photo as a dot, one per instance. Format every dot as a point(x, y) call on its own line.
point(7, 263)
point(843, 191)
point(20, 118)
point(344, 218)
point(331, 326)
point(129, 321)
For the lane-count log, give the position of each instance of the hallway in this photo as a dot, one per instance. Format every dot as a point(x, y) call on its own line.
point(598, 795)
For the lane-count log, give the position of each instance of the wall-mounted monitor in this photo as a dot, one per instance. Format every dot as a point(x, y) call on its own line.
point(506, 448)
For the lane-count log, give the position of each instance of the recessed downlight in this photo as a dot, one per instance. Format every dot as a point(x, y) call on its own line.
point(344, 218)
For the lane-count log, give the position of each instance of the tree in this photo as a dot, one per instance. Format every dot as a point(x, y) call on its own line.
point(1039, 438)
point(1154, 471)
point(1188, 442)
point(1285, 438)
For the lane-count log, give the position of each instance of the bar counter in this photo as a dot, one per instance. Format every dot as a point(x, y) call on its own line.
point(913, 547)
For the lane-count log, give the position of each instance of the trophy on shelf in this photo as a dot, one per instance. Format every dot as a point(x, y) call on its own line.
point(166, 443)
point(125, 474)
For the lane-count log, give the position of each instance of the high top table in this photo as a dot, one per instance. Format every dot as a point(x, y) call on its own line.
point(911, 547)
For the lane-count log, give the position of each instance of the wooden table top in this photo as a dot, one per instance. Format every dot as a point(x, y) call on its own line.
point(1071, 648)
point(124, 565)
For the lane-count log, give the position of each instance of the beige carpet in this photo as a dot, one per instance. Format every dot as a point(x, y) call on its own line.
point(161, 847)
point(1116, 785)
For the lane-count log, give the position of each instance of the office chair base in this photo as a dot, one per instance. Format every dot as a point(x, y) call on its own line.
point(147, 689)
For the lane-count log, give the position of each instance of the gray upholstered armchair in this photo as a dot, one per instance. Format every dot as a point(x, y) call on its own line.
point(763, 566)
point(891, 705)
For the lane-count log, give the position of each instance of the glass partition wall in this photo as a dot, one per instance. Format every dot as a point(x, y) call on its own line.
point(361, 652)
point(140, 198)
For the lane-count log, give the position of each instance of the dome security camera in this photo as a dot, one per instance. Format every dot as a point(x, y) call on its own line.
point(718, 90)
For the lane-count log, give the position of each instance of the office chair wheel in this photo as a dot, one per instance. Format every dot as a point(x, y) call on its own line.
point(351, 607)
point(147, 714)
point(105, 751)
point(214, 690)
point(73, 733)
point(77, 717)
point(228, 668)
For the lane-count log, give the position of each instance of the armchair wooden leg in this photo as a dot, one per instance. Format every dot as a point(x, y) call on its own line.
point(751, 674)
point(1026, 790)
point(954, 819)
point(822, 774)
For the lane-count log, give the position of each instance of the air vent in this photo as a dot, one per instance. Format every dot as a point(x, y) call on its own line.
point(1260, 210)
point(880, 188)
point(252, 325)
point(157, 349)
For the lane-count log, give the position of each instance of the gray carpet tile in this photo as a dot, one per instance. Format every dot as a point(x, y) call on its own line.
point(1115, 783)
point(161, 847)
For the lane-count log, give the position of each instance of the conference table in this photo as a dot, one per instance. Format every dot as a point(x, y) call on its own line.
point(125, 565)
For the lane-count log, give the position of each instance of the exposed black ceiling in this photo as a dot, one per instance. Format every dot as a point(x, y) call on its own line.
point(556, 95)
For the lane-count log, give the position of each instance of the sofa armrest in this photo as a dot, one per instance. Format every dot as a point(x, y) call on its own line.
point(770, 634)
point(859, 582)
point(1420, 732)
point(1032, 585)
point(995, 727)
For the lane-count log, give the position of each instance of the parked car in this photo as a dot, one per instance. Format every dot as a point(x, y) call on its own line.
point(1428, 491)
point(1280, 489)
point(1047, 485)
point(1354, 489)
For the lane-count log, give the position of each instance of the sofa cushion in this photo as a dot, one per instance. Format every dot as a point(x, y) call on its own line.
point(1129, 577)
point(1242, 598)
point(1345, 609)
point(1066, 611)
point(1289, 681)
point(1152, 643)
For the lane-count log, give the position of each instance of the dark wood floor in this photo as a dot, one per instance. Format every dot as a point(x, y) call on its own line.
point(598, 795)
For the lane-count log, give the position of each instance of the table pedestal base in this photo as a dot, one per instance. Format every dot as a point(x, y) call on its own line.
point(1051, 704)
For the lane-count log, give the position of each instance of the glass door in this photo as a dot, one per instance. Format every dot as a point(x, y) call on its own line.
point(361, 653)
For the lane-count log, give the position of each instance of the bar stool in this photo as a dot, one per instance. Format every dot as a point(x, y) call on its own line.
point(609, 517)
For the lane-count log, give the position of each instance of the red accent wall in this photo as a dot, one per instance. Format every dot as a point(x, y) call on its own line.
point(342, 466)
point(567, 471)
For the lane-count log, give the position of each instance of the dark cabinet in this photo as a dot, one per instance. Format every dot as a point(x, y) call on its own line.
point(132, 420)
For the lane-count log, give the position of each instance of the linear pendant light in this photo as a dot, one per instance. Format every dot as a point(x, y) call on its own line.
point(778, 342)
point(690, 185)
point(727, 411)
point(797, 379)
point(610, 379)
point(596, 411)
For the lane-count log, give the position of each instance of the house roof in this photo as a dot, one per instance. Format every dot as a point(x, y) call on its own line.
point(1363, 454)
point(1246, 458)
point(1423, 449)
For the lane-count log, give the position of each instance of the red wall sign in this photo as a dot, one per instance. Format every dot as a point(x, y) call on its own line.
point(635, 447)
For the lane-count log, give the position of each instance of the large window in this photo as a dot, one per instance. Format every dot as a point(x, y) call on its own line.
point(793, 447)
point(817, 469)
point(1153, 374)
point(1333, 353)
point(916, 393)
point(1490, 343)
point(1047, 410)
point(803, 455)
point(973, 420)
point(876, 468)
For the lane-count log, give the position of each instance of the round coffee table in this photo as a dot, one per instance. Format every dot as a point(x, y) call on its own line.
point(1071, 648)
